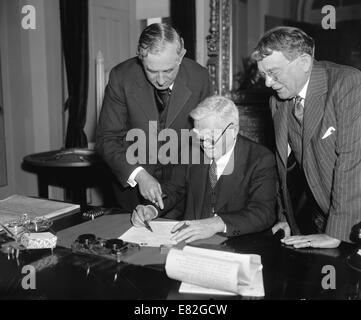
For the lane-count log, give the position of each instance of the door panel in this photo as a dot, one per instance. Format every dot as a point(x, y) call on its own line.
point(109, 29)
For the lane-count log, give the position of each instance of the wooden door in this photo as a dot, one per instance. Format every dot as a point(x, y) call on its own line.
point(109, 32)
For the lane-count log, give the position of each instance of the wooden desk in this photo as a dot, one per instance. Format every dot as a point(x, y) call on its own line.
point(288, 273)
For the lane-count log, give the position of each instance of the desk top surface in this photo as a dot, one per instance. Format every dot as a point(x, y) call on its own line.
point(63, 158)
point(288, 273)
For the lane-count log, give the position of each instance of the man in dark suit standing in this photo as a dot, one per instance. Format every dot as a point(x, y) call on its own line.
point(234, 193)
point(151, 92)
point(317, 116)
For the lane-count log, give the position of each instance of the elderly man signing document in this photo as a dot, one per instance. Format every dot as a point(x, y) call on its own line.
point(234, 193)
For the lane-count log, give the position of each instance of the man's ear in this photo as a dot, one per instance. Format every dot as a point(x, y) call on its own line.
point(306, 61)
point(182, 54)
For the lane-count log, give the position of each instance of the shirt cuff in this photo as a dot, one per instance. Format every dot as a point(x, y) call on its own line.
point(132, 176)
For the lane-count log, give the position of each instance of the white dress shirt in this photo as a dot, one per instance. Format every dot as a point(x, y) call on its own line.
point(222, 161)
point(303, 92)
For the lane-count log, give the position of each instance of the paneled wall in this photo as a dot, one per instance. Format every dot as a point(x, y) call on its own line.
point(32, 97)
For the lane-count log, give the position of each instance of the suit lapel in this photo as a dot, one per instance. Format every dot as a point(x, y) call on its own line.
point(233, 175)
point(179, 97)
point(314, 103)
point(198, 187)
point(143, 94)
point(280, 120)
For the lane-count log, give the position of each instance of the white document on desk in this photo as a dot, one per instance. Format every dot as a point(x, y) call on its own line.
point(15, 206)
point(205, 271)
point(160, 236)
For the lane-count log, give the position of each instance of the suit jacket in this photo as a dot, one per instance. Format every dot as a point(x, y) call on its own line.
point(331, 158)
point(129, 103)
point(247, 196)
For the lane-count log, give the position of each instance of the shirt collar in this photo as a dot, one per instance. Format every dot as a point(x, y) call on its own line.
point(222, 161)
point(303, 92)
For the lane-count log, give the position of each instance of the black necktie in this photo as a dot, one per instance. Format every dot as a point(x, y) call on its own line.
point(162, 98)
point(213, 174)
point(298, 109)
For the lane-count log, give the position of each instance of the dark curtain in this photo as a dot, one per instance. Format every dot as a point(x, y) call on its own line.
point(74, 32)
point(183, 17)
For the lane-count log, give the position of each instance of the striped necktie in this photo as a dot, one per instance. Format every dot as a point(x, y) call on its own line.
point(298, 109)
point(163, 98)
point(213, 174)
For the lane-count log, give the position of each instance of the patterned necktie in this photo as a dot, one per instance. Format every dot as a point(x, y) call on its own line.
point(213, 174)
point(163, 98)
point(298, 109)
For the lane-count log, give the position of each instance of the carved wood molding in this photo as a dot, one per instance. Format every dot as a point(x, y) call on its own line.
point(219, 45)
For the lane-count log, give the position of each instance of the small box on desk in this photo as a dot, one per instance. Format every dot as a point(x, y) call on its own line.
point(41, 240)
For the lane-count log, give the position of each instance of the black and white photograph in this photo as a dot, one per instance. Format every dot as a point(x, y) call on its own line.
point(182, 157)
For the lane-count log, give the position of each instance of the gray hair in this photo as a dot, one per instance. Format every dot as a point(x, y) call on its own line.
point(154, 38)
point(291, 41)
point(216, 105)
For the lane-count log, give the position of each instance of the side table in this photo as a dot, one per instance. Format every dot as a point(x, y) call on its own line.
point(73, 169)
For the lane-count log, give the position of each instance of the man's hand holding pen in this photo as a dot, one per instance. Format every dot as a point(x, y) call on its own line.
point(142, 215)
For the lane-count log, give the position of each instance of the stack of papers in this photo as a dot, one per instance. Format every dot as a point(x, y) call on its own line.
point(15, 206)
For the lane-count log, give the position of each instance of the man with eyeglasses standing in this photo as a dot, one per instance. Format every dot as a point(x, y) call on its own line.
point(233, 191)
point(317, 117)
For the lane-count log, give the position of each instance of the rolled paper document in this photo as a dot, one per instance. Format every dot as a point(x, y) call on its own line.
point(203, 271)
point(213, 269)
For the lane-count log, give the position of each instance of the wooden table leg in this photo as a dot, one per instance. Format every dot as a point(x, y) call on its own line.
point(43, 186)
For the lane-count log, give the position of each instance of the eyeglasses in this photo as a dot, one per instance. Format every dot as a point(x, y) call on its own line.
point(275, 75)
point(206, 143)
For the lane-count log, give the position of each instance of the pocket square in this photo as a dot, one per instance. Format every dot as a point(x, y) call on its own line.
point(329, 131)
point(288, 150)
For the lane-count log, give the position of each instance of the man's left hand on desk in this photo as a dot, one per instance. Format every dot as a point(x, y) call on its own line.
point(312, 241)
point(197, 229)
